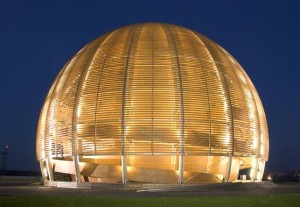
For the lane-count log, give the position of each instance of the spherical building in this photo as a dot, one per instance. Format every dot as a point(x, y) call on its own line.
point(152, 103)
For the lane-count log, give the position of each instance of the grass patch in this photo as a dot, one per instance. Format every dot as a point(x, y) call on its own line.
point(93, 201)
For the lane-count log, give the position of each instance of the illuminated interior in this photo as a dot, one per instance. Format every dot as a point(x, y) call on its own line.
point(152, 103)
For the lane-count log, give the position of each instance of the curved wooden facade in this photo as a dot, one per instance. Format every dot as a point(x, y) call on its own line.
point(152, 103)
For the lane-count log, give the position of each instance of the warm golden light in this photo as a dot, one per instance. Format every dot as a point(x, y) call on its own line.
point(154, 103)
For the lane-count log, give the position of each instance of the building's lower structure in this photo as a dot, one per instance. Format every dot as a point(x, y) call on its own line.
point(160, 169)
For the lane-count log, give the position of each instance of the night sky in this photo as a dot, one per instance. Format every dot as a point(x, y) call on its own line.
point(38, 37)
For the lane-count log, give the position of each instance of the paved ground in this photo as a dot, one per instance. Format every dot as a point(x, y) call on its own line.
point(12, 188)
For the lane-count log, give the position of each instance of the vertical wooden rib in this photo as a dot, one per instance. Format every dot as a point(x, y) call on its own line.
point(173, 47)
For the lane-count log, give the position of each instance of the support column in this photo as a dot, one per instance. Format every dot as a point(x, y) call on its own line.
point(256, 169)
point(77, 170)
point(261, 169)
point(49, 169)
point(228, 168)
point(180, 168)
point(43, 168)
point(124, 169)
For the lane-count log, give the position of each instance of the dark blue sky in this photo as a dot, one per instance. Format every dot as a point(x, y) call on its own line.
point(38, 37)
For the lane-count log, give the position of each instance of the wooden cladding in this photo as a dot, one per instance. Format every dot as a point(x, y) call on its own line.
point(152, 89)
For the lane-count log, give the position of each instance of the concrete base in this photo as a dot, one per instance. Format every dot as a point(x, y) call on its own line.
point(165, 187)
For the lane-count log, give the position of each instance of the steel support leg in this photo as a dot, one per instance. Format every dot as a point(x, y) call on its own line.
point(43, 168)
point(124, 169)
point(228, 168)
point(49, 169)
point(77, 170)
point(180, 169)
point(256, 169)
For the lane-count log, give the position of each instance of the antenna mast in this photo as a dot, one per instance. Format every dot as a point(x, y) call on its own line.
point(4, 160)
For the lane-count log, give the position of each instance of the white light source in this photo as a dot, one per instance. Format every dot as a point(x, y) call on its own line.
point(226, 139)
